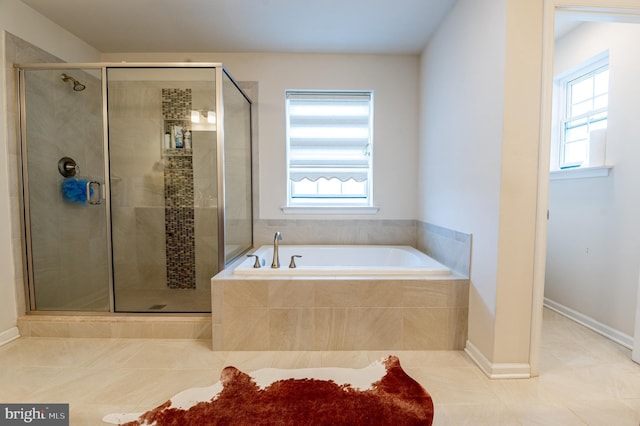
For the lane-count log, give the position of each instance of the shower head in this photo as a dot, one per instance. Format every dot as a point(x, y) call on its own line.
point(77, 86)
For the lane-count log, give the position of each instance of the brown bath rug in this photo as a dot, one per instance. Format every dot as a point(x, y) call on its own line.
point(379, 394)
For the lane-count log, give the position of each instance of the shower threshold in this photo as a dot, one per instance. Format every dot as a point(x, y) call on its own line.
point(117, 326)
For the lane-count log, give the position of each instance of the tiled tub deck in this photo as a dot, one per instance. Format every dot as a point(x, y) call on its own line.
point(339, 313)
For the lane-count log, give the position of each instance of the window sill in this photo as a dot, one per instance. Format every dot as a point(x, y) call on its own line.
point(580, 172)
point(328, 210)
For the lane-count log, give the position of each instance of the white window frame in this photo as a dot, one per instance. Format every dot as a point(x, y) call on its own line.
point(361, 167)
point(561, 105)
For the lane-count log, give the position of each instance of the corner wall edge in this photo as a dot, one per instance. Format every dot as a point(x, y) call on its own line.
point(497, 370)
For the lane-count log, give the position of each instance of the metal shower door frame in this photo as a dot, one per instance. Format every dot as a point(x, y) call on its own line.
point(24, 189)
point(28, 268)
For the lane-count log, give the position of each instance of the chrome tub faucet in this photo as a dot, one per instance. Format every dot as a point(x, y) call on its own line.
point(276, 258)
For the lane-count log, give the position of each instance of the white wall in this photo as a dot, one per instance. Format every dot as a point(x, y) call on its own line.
point(461, 131)
point(593, 244)
point(480, 104)
point(23, 22)
point(394, 80)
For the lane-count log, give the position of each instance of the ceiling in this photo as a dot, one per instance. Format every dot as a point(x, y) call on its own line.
point(310, 26)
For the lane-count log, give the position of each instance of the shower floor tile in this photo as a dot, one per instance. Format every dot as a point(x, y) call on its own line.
point(163, 300)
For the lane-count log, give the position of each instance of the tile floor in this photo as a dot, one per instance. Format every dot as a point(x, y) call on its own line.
point(585, 379)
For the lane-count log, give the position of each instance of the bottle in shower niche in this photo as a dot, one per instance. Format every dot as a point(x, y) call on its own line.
point(178, 136)
point(187, 139)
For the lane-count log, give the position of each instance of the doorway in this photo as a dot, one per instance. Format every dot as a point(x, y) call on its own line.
point(587, 14)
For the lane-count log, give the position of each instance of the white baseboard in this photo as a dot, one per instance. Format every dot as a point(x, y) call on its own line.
point(497, 370)
point(600, 328)
point(9, 335)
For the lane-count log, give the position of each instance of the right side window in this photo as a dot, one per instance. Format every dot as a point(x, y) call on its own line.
point(584, 110)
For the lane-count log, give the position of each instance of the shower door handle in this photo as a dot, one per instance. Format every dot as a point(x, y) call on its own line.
point(96, 187)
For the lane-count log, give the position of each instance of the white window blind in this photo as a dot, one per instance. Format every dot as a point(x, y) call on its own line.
point(329, 146)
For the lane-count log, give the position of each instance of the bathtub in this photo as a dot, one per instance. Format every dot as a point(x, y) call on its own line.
point(339, 298)
point(339, 260)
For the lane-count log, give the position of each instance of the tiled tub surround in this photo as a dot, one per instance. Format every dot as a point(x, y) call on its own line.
point(349, 231)
point(347, 313)
point(449, 247)
point(334, 313)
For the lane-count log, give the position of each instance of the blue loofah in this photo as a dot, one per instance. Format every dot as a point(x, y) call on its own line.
point(75, 190)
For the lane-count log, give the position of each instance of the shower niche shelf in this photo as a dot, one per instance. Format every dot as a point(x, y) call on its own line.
point(168, 129)
point(178, 152)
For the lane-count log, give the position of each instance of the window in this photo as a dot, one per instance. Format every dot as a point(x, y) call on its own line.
point(329, 147)
point(584, 110)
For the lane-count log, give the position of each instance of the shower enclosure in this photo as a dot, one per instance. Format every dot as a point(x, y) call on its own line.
point(136, 184)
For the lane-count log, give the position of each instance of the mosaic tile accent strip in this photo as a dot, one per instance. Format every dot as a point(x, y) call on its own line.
point(179, 199)
point(176, 104)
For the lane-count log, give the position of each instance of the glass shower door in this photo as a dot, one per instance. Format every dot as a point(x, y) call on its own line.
point(238, 226)
point(163, 167)
point(66, 216)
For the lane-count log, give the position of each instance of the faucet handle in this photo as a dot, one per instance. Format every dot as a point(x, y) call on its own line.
point(292, 264)
point(256, 264)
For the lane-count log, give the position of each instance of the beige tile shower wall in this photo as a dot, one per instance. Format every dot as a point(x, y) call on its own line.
point(205, 186)
point(339, 314)
point(137, 185)
point(138, 204)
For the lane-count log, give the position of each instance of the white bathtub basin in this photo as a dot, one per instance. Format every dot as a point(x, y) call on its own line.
point(352, 260)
